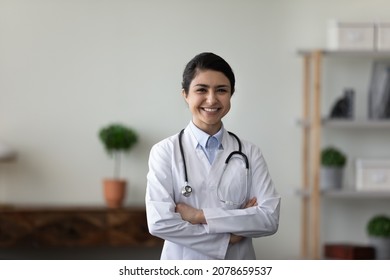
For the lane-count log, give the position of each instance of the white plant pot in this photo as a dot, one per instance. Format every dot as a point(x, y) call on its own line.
point(331, 178)
point(382, 247)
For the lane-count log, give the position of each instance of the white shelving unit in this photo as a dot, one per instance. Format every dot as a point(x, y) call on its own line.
point(313, 124)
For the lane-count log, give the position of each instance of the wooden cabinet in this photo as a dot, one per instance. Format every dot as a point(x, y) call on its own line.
point(42, 227)
point(313, 130)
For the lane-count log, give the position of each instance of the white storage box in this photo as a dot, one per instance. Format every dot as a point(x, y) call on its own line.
point(383, 36)
point(373, 174)
point(351, 35)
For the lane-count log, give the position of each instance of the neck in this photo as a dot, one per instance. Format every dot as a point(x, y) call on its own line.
point(209, 129)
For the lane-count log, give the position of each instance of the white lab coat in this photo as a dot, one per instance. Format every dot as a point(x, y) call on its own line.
point(184, 240)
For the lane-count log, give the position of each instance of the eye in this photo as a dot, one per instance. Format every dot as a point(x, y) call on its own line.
point(201, 90)
point(222, 90)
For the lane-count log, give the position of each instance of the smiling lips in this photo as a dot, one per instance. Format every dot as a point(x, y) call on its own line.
point(211, 110)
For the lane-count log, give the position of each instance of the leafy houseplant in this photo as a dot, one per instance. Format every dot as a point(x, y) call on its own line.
point(378, 229)
point(333, 157)
point(332, 166)
point(117, 139)
point(379, 226)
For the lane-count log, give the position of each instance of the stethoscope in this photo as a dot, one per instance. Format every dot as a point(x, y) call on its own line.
point(187, 189)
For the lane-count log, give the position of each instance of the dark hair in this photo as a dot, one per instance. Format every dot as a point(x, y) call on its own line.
point(206, 61)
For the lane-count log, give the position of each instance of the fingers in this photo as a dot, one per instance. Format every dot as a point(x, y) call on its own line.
point(178, 207)
point(251, 202)
point(235, 238)
point(182, 208)
point(190, 214)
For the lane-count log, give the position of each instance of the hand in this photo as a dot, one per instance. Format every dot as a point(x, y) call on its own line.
point(235, 238)
point(251, 202)
point(190, 214)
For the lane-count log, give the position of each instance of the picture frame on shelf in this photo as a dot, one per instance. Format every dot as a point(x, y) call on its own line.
point(372, 175)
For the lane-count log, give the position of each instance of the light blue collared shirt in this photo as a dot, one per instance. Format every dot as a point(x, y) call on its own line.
point(204, 141)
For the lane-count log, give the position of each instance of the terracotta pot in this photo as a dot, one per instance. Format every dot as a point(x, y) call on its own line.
point(114, 192)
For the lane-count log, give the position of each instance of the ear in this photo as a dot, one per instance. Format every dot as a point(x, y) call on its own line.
point(184, 94)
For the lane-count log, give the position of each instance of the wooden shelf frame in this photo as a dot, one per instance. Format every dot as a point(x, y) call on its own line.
point(311, 143)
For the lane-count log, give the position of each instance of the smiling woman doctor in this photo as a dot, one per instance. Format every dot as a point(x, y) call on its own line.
point(208, 191)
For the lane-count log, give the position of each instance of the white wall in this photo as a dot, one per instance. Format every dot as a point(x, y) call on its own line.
point(69, 67)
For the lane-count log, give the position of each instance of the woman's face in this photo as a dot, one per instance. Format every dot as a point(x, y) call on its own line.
point(208, 99)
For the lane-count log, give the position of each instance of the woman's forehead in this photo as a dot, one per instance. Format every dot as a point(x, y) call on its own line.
point(210, 77)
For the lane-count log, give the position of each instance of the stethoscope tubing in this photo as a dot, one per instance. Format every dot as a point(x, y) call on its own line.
point(183, 158)
point(187, 190)
point(229, 202)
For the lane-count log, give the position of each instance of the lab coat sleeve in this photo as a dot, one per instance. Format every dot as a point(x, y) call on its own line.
point(256, 221)
point(163, 221)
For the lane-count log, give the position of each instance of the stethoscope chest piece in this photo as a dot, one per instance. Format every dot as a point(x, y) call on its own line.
point(186, 191)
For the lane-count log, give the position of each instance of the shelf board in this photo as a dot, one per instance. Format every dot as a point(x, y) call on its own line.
point(356, 194)
point(356, 123)
point(349, 194)
point(361, 53)
point(345, 123)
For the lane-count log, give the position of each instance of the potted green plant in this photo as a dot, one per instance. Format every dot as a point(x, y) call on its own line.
point(333, 161)
point(117, 139)
point(378, 230)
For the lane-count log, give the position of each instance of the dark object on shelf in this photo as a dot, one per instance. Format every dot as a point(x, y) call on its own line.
point(343, 107)
point(348, 252)
point(379, 91)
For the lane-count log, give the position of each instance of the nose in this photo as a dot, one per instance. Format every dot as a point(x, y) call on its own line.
point(211, 97)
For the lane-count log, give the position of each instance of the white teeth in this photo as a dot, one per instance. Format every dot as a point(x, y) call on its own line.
point(210, 109)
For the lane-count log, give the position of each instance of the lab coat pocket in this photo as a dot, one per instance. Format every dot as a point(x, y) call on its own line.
point(232, 188)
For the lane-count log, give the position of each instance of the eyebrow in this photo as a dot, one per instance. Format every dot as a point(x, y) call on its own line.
point(207, 86)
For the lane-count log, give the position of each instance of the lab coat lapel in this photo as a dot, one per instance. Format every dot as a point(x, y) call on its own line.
point(201, 175)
